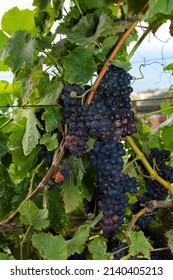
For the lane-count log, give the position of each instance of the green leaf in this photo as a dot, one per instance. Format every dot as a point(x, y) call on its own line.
point(31, 215)
point(23, 163)
point(5, 257)
point(3, 39)
point(79, 66)
point(77, 243)
point(139, 244)
point(71, 194)
point(8, 93)
point(57, 216)
point(91, 27)
point(3, 144)
point(6, 192)
point(133, 7)
point(94, 4)
point(169, 235)
point(42, 5)
point(168, 67)
point(51, 94)
point(167, 140)
point(31, 135)
point(50, 141)
point(16, 19)
point(19, 50)
point(98, 249)
point(52, 117)
point(50, 247)
point(167, 107)
point(159, 6)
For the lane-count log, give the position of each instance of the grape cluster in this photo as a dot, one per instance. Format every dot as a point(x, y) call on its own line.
point(116, 91)
point(77, 136)
point(159, 241)
point(157, 159)
point(113, 184)
point(46, 155)
point(108, 117)
point(98, 121)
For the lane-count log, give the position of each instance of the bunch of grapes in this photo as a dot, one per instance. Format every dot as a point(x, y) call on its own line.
point(116, 92)
point(113, 184)
point(98, 121)
point(157, 159)
point(77, 136)
point(160, 242)
point(46, 155)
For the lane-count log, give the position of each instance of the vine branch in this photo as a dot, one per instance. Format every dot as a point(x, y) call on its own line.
point(41, 185)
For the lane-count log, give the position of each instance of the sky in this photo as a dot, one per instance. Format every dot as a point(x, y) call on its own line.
point(154, 53)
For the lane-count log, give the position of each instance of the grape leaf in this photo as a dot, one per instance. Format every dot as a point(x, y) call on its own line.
point(95, 4)
point(50, 95)
point(159, 6)
point(25, 21)
point(19, 50)
point(167, 140)
point(31, 135)
point(42, 5)
point(77, 243)
point(6, 192)
point(3, 39)
point(31, 215)
point(23, 163)
point(56, 213)
point(71, 194)
point(79, 66)
point(139, 244)
point(169, 235)
point(168, 67)
point(98, 249)
point(87, 30)
point(5, 257)
point(166, 106)
point(50, 141)
point(3, 144)
point(52, 117)
point(50, 247)
point(133, 7)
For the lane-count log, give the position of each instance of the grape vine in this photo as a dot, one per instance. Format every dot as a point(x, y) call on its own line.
point(81, 170)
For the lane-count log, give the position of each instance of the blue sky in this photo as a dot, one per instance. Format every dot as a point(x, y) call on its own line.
point(155, 50)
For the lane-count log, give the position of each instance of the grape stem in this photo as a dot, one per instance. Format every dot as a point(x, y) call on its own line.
point(153, 174)
point(135, 218)
point(130, 163)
